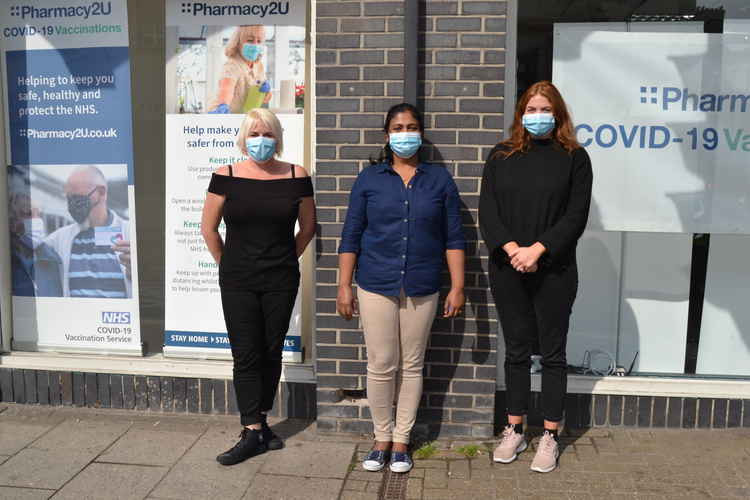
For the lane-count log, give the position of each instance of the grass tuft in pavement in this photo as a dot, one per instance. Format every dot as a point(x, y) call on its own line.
point(425, 451)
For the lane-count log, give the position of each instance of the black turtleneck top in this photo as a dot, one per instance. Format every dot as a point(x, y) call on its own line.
point(541, 195)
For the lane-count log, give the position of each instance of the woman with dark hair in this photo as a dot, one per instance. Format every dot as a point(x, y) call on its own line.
point(403, 220)
point(533, 207)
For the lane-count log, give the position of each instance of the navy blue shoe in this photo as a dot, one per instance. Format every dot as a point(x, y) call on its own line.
point(375, 460)
point(401, 462)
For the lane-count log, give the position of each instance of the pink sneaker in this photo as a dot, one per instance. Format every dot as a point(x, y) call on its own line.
point(510, 446)
point(547, 452)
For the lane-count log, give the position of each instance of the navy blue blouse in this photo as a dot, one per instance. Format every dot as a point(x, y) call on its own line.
point(400, 233)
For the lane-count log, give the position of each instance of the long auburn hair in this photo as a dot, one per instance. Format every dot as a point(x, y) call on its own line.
point(563, 133)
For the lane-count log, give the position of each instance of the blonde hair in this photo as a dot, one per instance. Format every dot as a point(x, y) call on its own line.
point(268, 119)
point(234, 45)
point(233, 50)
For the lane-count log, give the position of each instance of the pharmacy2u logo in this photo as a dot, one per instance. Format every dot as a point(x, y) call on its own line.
point(83, 11)
point(257, 9)
point(686, 99)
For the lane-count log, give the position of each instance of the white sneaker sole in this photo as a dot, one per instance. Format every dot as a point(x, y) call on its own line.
point(521, 447)
point(549, 469)
point(372, 466)
point(400, 467)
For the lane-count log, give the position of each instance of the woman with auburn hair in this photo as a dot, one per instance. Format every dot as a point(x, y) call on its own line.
point(533, 207)
point(243, 84)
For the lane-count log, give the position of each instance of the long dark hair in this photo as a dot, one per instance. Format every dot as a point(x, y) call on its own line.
point(386, 154)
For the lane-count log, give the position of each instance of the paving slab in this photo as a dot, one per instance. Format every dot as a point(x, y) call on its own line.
point(23, 434)
point(198, 475)
point(149, 447)
point(209, 480)
point(358, 495)
point(53, 459)
point(8, 493)
point(112, 482)
point(323, 460)
point(275, 487)
point(33, 468)
point(82, 435)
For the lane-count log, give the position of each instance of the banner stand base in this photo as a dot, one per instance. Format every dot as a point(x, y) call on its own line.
point(221, 354)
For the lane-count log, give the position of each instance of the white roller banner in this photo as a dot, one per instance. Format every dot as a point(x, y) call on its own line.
point(204, 58)
point(665, 118)
point(71, 210)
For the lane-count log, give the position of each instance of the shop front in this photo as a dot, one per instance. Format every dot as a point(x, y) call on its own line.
point(659, 93)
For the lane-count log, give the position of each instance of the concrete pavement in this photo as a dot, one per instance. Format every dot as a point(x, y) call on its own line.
point(82, 453)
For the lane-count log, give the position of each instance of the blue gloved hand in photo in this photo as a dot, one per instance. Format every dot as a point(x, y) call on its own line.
point(265, 87)
point(221, 109)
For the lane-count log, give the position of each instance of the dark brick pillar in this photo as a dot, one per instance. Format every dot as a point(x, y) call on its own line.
point(359, 75)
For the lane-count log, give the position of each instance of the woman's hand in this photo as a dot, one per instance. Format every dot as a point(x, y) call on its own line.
point(524, 259)
point(454, 302)
point(346, 304)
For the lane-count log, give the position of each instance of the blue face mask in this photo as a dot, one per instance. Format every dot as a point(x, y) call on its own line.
point(405, 144)
point(251, 51)
point(538, 124)
point(260, 148)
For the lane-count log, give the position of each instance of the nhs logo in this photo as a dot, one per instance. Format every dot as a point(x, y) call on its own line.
point(117, 318)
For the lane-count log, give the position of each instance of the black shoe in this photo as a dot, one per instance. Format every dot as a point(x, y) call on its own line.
point(273, 442)
point(251, 443)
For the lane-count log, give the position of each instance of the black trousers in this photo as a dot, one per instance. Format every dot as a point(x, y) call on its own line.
point(535, 306)
point(257, 323)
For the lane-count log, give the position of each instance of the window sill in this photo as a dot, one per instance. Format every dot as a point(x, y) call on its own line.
point(652, 386)
point(152, 365)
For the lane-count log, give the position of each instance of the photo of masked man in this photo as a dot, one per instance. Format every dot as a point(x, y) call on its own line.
point(36, 267)
point(95, 249)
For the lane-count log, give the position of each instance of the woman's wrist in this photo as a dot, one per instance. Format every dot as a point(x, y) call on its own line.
point(509, 247)
point(539, 248)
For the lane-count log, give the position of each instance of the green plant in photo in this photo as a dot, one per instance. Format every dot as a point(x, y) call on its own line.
point(425, 451)
point(469, 450)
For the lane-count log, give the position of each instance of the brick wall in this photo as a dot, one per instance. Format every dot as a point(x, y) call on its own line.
point(359, 74)
point(141, 392)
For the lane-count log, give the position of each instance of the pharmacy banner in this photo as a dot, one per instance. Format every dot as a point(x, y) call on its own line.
point(665, 118)
point(224, 58)
point(70, 177)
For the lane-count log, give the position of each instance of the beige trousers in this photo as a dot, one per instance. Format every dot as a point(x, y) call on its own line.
point(396, 331)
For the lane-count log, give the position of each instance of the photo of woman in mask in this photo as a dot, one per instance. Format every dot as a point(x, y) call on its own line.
point(36, 267)
point(533, 208)
point(403, 222)
point(243, 85)
point(260, 199)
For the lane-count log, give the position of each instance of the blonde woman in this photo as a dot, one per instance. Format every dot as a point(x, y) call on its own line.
point(243, 84)
point(260, 199)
